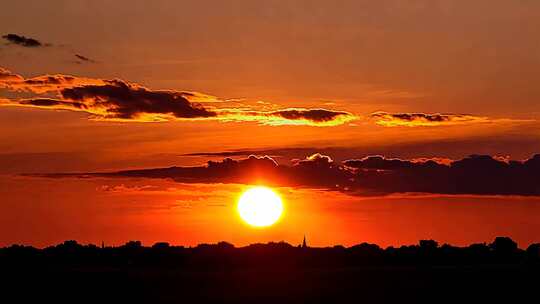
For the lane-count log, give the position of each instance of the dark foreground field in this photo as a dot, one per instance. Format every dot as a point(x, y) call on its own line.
point(368, 285)
point(274, 273)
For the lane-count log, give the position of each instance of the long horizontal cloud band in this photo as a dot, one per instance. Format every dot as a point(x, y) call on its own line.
point(369, 176)
point(423, 119)
point(121, 100)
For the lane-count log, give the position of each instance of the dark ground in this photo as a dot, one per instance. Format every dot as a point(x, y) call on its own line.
point(370, 285)
point(271, 273)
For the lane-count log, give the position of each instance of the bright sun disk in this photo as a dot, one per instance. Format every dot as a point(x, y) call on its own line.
point(260, 207)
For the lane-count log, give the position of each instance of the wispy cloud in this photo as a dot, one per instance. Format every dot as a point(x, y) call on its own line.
point(426, 120)
point(85, 59)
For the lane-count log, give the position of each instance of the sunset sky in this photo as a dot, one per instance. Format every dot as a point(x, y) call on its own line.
point(375, 121)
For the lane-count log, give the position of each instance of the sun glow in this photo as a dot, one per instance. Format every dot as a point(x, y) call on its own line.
point(260, 207)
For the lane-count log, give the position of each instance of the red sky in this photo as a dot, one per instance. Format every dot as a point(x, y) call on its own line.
point(348, 79)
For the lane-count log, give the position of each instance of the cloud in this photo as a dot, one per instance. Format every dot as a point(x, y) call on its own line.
point(84, 59)
point(117, 99)
point(105, 99)
point(368, 176)
point(22, 40)
point(121, 100)
point(43, 84)
point(47, 102)
point(476, 174)
point(422, 119)
point(7, 77)
point(246, 170)
point(290, 116)
point(316, 115)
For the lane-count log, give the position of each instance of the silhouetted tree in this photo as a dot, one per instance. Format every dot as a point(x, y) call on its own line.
point(160, 245)
point(504, 248)
point(270, 255)
point(533, 252)
point(132, 245)
point(430, 245)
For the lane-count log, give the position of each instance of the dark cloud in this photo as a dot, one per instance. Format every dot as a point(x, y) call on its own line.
point(47, 102)
point(117, 99)
point(84, 59)
point(315, 115)
point(121, 100)
point(423, 119)
point(22, 40)
point(476, 174)
point(378, 162)
point(369, 176)
point(299, 116)
point(107, 99)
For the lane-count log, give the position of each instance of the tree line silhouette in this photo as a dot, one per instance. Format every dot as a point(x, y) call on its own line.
point(223, 255)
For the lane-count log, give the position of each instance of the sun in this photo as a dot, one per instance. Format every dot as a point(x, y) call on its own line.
point(260, 206)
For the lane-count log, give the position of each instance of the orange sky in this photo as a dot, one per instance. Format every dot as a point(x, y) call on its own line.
point(46, 211)
point(476, 62)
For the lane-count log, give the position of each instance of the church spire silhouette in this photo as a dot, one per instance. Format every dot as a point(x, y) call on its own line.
point(304, 244)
